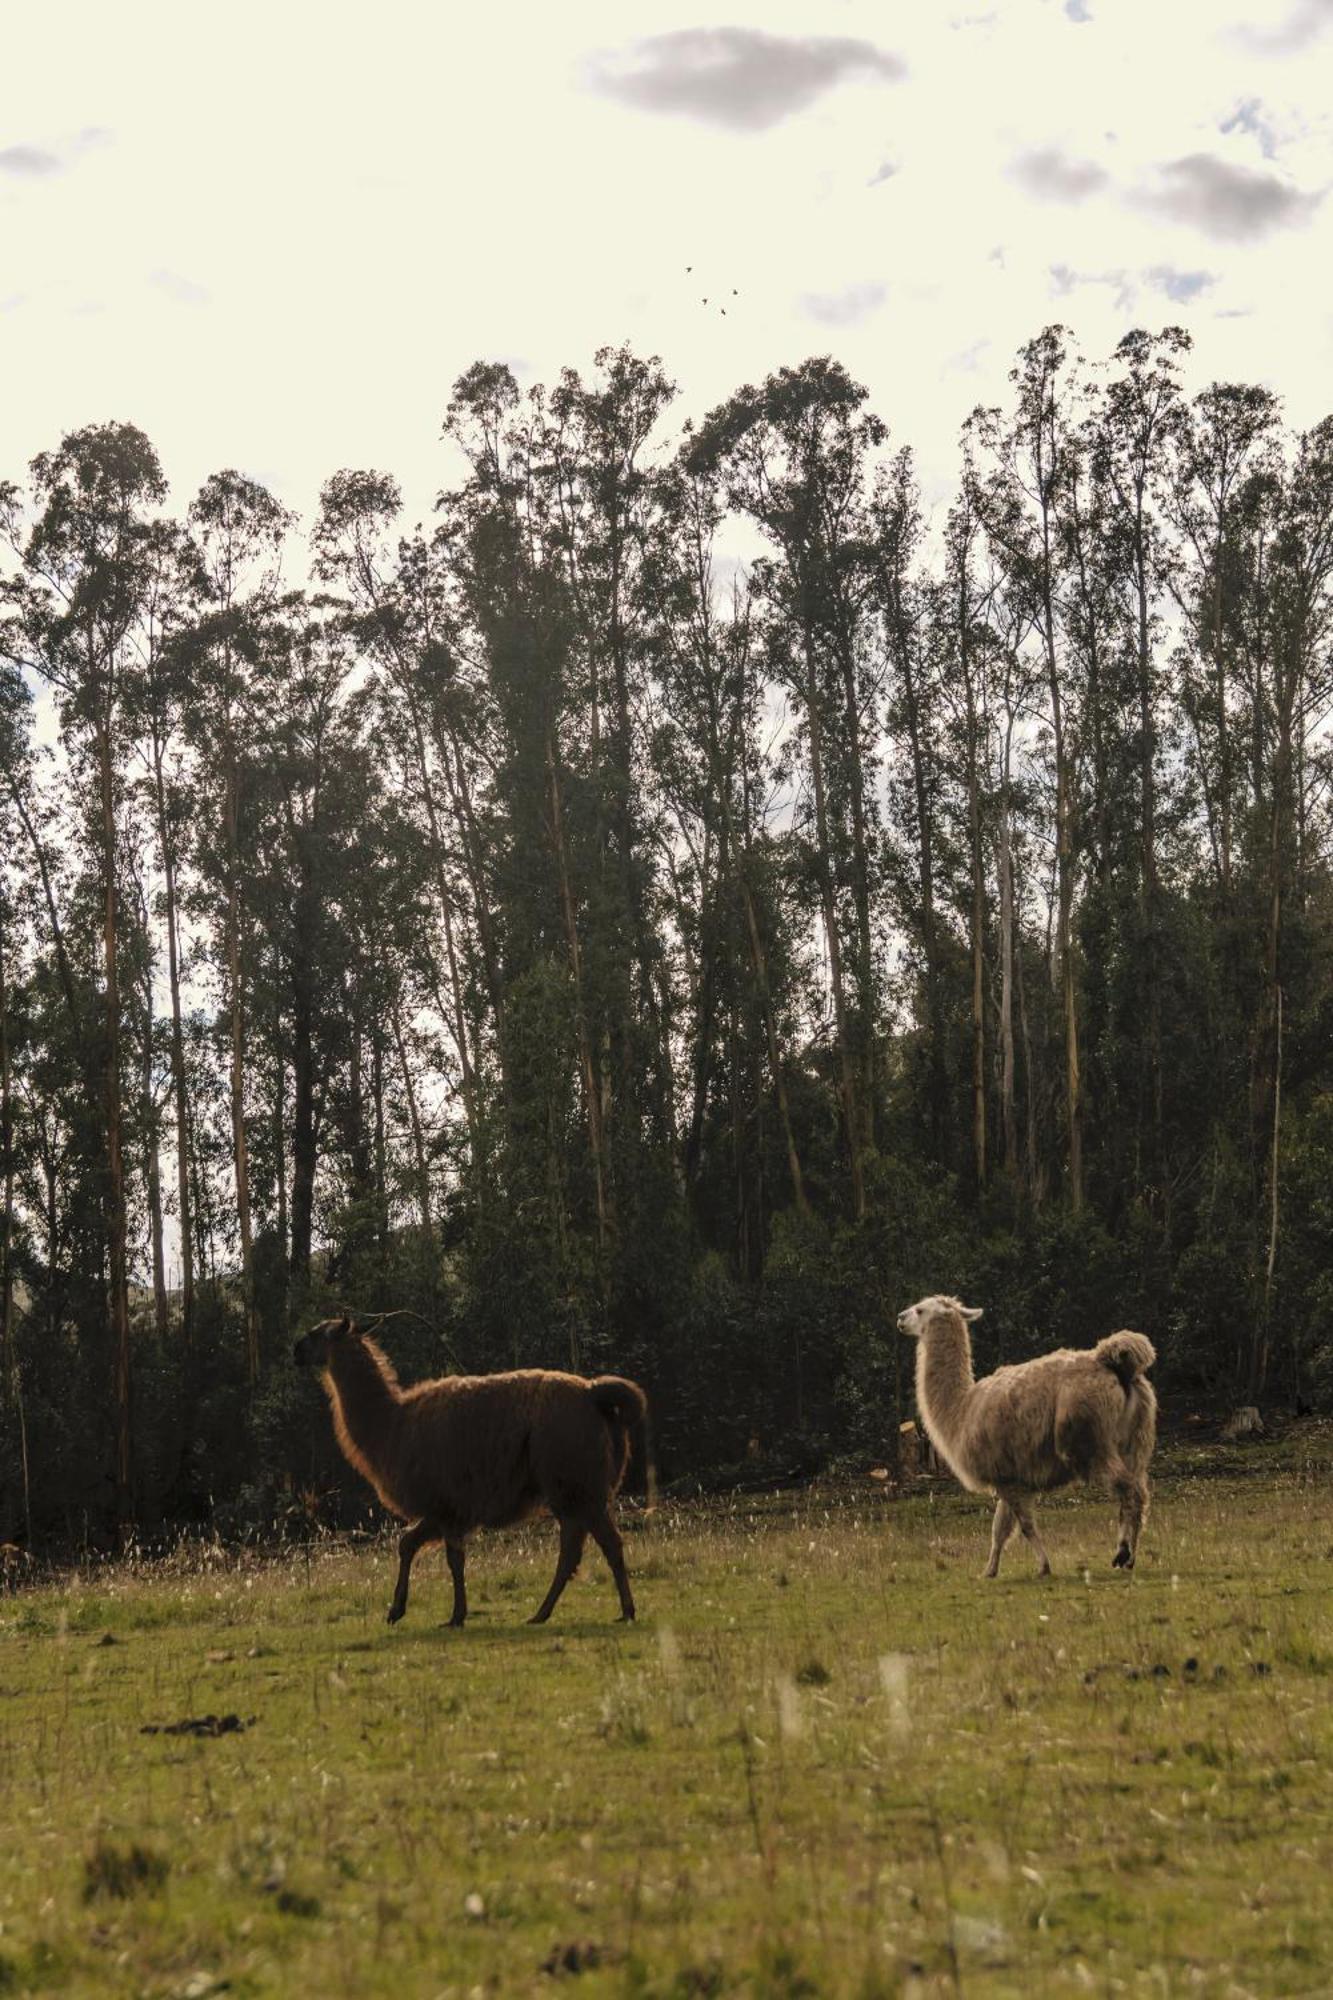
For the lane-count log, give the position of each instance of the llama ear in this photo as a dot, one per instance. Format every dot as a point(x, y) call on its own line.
point(972, 1312)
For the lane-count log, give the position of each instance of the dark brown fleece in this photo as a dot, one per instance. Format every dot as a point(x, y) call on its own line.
point(481, 1451)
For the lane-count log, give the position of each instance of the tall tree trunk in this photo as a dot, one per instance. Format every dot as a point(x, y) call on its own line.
point(279, 1113)
point(116, 1217)
point(305, 1133)
point(456, 1013)
point(1066, 865)
point(977, 927)
point(11, 1392)
point(474, 863)
point(53, 915)
point(6, 1166)
point(414, 1121)
point(851, 1110)
point(759, 964)
point(381, 1178)
point(1036, 1178)
point(759, 961)
point(592, 1089)
point(1148, 830)
point(1008, 1106)
point(1264, 1331)
point(865, 969)
point(938, 1082)
point(153, 1173)
point(239, 1143)
point(977, 915)
point(1224, 750)
point(1268, 1094)
point(178, 1080)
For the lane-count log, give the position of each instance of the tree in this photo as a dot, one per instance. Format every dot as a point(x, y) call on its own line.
point(794, 455)
point(240, 530)
point(86, 569)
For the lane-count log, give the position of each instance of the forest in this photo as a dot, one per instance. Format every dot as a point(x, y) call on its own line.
point(666, 912)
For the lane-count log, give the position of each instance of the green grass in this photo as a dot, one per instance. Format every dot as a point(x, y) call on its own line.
point(828, 1760)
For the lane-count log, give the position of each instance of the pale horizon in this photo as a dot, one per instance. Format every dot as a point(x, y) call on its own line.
point(276, 242)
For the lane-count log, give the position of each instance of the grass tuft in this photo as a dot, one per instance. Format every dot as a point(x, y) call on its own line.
point(122, 1871)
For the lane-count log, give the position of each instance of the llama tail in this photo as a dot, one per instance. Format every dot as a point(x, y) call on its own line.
point(620, 1401)
point(1127, 1355)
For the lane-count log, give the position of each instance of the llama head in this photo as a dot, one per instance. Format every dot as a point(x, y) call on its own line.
point(316, 1348)
point(917, 1320)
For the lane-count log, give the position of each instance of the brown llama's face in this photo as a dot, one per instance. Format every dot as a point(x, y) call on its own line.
point(916, 1320)
point(316, 1348)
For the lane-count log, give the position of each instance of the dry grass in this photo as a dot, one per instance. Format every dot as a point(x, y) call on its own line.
point(829, 1760)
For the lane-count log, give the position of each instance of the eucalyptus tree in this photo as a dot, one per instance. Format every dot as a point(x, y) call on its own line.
point(710, 769)
point(960, 609)
point(159, 691)
point(397, 588)
point(794, 455)
point(604, 515)
point(1136, 427)
point(1227, 436)
point(912, 720)
point(1287, 638)
point(517, 618)
point(15, 753)
point(311, 774)
point(75, 609)
point(1025, 487)
point(239, 529)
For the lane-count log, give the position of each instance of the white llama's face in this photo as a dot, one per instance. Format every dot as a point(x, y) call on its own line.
point(914, 1320)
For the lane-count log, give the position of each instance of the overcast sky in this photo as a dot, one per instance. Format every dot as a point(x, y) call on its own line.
point(274, 234)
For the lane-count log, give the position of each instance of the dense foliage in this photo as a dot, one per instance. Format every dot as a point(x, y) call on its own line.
point(607, 951)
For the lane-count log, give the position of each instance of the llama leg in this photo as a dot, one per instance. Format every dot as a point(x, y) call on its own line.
point(607, 1537)
point(409, 1543)
point(1002, 1527)
point(454, 1555)
point(572, 1537)
point(1133, 1497)
point(1027, 1522)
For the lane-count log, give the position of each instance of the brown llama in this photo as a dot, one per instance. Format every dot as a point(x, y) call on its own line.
point(480, 1451)
point(1079, 1413)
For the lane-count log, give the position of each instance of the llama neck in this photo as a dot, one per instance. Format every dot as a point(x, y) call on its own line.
point(366, 1399)
point(944, 1376)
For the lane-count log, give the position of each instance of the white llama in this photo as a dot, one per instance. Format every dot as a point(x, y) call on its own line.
point(1079, 1413)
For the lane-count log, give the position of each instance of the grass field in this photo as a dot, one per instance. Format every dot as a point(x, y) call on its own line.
point(828, 1760)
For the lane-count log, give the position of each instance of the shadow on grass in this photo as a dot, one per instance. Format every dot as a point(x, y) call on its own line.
point(480, 1632)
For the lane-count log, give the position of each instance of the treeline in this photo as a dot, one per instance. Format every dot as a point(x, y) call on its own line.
point(612, 952)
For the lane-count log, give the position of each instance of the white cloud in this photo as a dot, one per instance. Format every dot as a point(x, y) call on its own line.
point(183, 290)
point(1051, 174)
point(843, 308)
point(742, 78)
point(1295, 30)
point(1232, 203)
point(29, 162)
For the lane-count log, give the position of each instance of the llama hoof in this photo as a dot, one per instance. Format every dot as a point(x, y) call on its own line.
point(537, 1618)
point(456, 1624)
point(395, 1613)
point(625, 1618)
point(1123, 1558)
